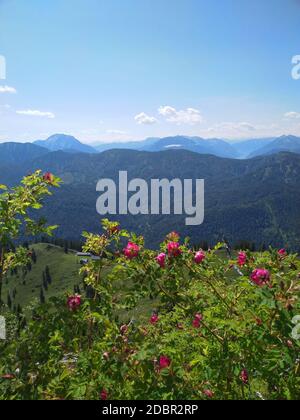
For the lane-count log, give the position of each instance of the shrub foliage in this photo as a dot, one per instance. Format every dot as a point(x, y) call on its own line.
point(218, 329)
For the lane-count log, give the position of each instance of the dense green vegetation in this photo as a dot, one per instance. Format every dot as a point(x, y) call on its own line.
point(216, 331)
point(177, 323)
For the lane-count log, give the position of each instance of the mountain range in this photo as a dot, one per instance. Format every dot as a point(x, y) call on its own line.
point(214, 147)
point(217, 147)
point(255, 200)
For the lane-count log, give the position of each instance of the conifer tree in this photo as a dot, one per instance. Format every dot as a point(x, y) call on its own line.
point(48, 275)
point(9, 301)
point(42, 296)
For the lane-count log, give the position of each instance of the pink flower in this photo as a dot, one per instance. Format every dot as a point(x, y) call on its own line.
point(197, 321)
point(164, 362)
point(103, 395)
point(154, 319)
point(244, 376)
point(48, 177)
point(161, 260)
point(199, 317)
point(200, 257)
point(208, 393)
point(74, 302)
point(131, 251)
point(242, 258)
point(260, 277)
point(282, 253)
point(174, 249)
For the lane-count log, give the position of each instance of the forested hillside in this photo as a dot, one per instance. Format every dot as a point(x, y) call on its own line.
point(255, 200)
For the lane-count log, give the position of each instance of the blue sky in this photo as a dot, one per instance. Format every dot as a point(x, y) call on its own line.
point(108, 70)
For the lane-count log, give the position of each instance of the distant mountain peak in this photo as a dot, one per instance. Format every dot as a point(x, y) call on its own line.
point(65, 142)
point(286, 143)
point(60, 137)
point(286, 136)
point(287, 139)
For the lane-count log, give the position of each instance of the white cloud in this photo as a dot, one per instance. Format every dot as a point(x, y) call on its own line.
point(36, 113)
point(292, 115)
point(144, 119)
point(7, 89)
point(189, 116)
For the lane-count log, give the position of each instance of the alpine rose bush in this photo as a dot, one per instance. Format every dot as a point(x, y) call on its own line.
point(261, 277)
point(154, 319)
point(224, 330)
point(174, 249)
point(200, 257)
point(161, 260)
point(74, 302)
point(131, 251)
point(282, 253)
point(164, 362)
point(242, 258)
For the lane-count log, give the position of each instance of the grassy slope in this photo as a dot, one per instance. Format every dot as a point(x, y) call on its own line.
point(63, 269)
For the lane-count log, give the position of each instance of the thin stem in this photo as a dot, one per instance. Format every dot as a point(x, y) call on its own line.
point(1, 272)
